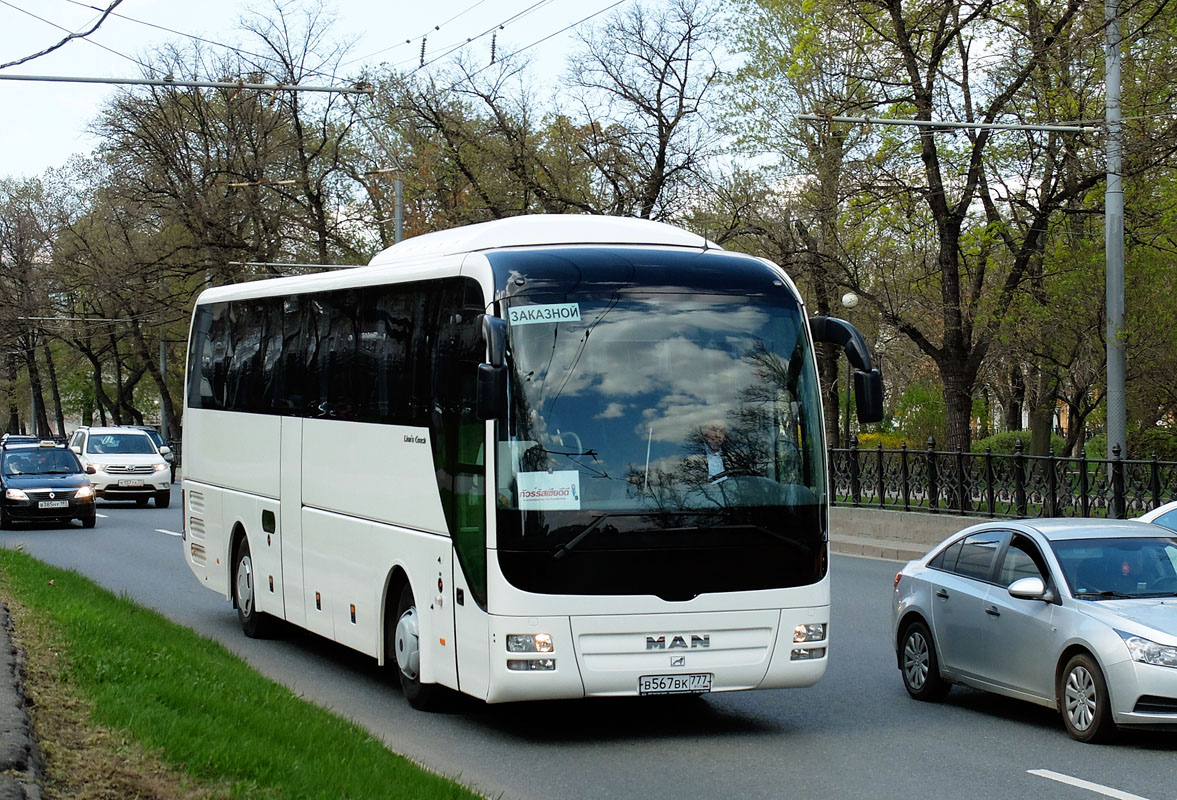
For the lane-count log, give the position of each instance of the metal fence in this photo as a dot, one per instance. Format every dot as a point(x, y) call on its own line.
point(998, 485)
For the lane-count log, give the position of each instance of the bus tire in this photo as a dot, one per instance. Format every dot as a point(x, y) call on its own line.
point(407, 653)
point(255, 624)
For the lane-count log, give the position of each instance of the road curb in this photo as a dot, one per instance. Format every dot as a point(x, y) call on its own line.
point(22, 768)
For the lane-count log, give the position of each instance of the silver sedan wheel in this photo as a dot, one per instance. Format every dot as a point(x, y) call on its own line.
point(1080, 694)
point(915, 660)
point(408, 653)
point(245, 585)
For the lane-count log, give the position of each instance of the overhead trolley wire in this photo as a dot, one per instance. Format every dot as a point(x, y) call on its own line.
point(72, 36)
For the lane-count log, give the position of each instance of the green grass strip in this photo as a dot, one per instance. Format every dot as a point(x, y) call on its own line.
point(207, 712)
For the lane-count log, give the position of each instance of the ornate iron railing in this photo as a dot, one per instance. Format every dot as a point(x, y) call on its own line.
point(998, 485)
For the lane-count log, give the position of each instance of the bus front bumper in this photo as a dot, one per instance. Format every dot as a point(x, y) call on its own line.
point(649, 654)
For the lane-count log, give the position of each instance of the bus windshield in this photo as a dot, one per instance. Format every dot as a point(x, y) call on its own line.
point(659, 402)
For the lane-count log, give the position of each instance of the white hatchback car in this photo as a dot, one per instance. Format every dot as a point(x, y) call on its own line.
point(123, 464)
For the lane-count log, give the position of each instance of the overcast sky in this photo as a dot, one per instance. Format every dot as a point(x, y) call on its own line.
point(42, 124)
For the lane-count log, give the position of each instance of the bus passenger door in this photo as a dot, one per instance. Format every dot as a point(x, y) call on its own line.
point(291, 520)
point(472, 635)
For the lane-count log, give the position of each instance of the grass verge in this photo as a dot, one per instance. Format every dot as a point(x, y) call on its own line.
point(160, 702)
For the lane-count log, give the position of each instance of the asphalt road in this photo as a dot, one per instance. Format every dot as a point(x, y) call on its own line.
point(855, 734)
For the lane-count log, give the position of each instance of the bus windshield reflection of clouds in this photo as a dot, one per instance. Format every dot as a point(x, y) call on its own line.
point(621, 409)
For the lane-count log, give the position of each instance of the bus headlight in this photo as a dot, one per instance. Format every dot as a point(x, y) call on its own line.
point(810, 632)
point(529, 643)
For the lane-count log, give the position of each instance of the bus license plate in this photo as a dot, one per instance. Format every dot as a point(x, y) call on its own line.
point(53, 504)
point(130, 482)
point(696, 683)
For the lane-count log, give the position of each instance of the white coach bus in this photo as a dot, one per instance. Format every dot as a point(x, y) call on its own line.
point(542, 457)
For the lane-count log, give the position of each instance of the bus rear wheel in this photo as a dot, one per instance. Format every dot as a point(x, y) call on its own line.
point(255, 624)
point(407, 654)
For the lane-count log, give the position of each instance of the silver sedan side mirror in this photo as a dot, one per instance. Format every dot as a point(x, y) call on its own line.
point(1030, 589)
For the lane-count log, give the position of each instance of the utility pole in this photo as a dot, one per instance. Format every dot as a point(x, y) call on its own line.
point(163, 372)
point(398, 231)
point(1117, 424)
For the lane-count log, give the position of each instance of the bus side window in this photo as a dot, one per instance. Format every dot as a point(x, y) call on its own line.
point(199, 366)
point(243, 388)
point(218, 352)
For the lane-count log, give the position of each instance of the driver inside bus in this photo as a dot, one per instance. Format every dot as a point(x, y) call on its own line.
point(714, 436)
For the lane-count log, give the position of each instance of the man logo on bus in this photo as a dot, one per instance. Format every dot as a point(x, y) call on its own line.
point(678, 642)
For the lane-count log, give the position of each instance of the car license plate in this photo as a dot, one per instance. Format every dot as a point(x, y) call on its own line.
point(130, 482)
point(53, 504)
point(695, 683)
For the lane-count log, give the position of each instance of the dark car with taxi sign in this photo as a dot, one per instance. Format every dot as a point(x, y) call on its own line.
point(44, 482)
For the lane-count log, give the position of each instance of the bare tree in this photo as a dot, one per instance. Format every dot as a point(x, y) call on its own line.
point(650, 72)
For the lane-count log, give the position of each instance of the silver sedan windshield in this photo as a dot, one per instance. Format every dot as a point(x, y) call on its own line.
point(1119, 567)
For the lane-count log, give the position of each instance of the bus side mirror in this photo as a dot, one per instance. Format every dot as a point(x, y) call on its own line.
point(494, 333)
point(492, 376)
point(868, 382)
point(492, 392)
point(868, 395)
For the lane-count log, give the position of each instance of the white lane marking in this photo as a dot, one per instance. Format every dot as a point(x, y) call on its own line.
point(101, 516)
point(169, 533)
point(1107, 791)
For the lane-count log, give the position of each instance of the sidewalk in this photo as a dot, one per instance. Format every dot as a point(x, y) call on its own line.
point(890, 549)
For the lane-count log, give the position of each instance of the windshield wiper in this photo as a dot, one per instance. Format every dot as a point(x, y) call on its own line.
point(543, 449)
point(578, 538)
point(592, 526)
point(784, 537)
point(1108, 595)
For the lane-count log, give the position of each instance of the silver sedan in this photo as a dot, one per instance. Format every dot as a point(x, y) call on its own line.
point(1077, 615)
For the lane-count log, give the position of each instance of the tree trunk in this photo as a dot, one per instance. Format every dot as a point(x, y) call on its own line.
point(1042, 415)
point(40, 420)
point(958, 407)
point(58, 412)
point(167, 409)
point(10, 390)
point(1017, 398)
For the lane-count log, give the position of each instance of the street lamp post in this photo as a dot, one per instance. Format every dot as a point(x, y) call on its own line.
point(849, 301)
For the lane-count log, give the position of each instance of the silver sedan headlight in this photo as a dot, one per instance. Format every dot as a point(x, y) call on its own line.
point(1147, 651)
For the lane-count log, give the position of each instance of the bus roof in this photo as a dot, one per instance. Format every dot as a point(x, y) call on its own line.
point(533, 230)
point(541, 230)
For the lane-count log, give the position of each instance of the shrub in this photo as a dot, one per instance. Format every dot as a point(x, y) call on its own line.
point(1006, 442)
point(1096, 447)
point(1161, 442)
point(890, 441)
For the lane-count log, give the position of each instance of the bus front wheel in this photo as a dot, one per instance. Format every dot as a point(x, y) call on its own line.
point(407, 654)
point(255, 624)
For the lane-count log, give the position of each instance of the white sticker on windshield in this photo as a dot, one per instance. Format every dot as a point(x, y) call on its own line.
point(549, 491)
point(556, 312)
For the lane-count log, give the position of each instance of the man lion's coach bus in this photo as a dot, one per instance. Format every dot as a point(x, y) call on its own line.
point(542, 457)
